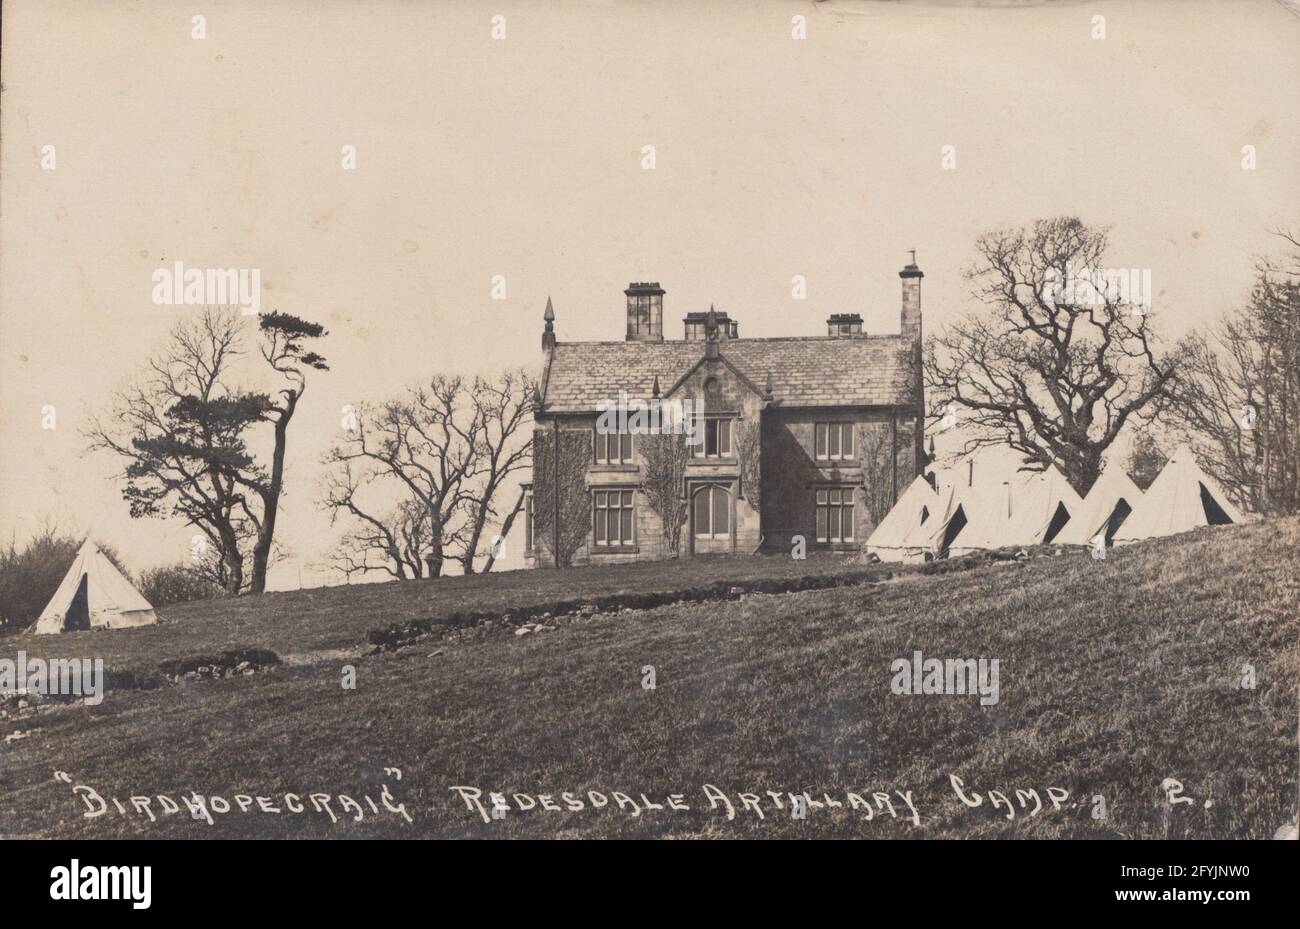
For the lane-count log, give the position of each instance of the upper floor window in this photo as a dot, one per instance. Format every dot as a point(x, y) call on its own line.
point(613, 448)
point(717, 438)
point(834, 441)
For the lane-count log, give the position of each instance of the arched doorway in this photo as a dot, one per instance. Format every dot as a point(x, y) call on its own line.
point(712, 518)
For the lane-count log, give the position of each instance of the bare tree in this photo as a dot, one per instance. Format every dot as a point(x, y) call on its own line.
point(445, 451)
point(1059, 363)
point(560, 459)
point(427, 442)
point(398, 538)
point(1239, 392)
point(663, 471)
point(504, 410)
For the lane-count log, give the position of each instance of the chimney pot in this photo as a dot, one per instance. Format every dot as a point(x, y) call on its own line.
point(910, 317)
point(645, 311)
point(695, 326)
point(844, 324)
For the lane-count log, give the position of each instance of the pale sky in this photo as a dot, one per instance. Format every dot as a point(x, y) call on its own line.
point(522, 157)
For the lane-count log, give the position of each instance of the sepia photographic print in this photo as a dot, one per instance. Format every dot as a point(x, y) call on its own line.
point(607, 420)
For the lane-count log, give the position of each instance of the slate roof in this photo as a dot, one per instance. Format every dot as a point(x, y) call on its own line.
point(808, 371)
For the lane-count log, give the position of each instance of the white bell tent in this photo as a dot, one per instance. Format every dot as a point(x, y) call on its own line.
point(1182, 497)
point(1041, 508)
point(918, 504)
point(1109, 504)
point(934, 538)
point(94, 595)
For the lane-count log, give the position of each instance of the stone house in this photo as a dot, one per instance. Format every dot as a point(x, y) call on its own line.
point(801, 436)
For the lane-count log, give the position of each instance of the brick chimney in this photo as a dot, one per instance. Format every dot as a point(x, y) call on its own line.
point(910, 322)
point(844, 324)
point(910, 328)
point(645, 312)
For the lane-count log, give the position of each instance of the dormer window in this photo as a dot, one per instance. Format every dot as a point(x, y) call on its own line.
point(834, 441)
point(717, 438)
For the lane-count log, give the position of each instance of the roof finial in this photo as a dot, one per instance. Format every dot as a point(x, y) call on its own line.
point(767, 390)
point(656, 387)
point(548, 336)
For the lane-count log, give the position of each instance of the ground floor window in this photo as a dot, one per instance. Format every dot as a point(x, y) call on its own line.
point(615, 517)
point(712, 512)
point(835, 514)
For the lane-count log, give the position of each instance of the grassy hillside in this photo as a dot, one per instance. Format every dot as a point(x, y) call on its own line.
point(1114, 675)
point(340, 618)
